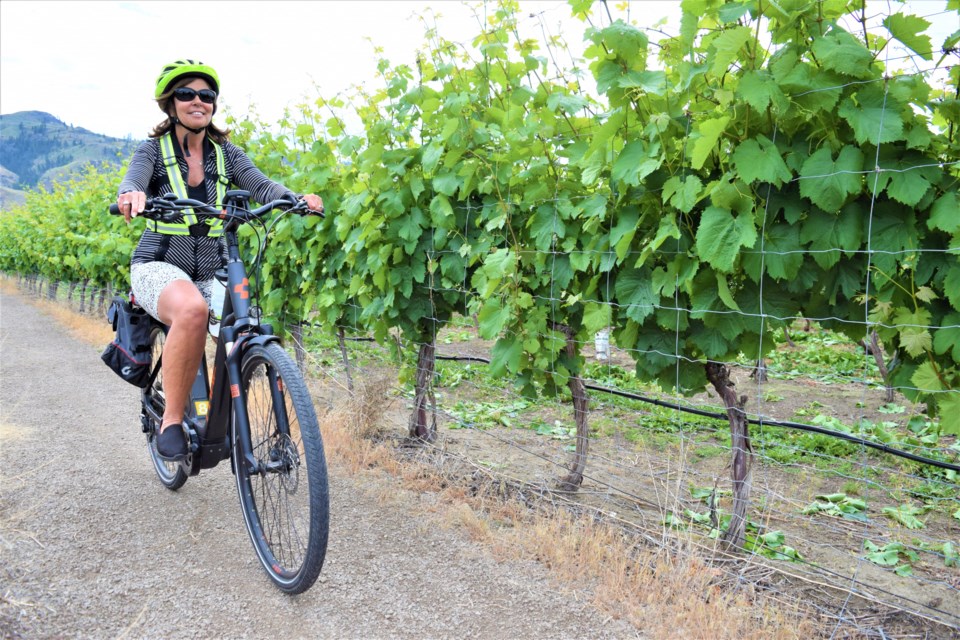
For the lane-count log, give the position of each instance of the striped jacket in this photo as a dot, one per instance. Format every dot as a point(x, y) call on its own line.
point(198, 257)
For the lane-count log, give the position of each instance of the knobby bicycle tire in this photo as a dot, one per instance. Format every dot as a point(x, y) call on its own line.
point(285, 501)
point(172, 475)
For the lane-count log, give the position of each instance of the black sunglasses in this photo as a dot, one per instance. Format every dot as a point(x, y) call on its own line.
point(186, 94)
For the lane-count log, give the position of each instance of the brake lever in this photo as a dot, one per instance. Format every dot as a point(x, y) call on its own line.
point(302, 209)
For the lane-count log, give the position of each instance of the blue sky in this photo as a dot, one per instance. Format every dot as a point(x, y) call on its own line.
point(94, 63)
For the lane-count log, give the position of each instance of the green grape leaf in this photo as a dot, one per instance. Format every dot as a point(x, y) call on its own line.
point(635, 294)
point(493, 317)
point(782, 254)
point(758, 159)
point(874, 117)
point(841, 52)
point(544, 224)
point(431, 157)
point(827, 182)
point(925, 378)
point(727, 47)
point(914, 336)
point(905, 515)
point(690, 21)
point(633, 165)
point(498, 265)
point(566, 102)
point(908, 186)
point(596, 316)
point(948, 408)
point(945, 213)
point(951, 285)
point(412, 226)
point(710, 132)
point(683, 193)
point(829, 235)
point(654, 82)
point(915, 341)
point(710, 342)
point(625, 40)
point(760, 90)
point(907, 29)
point(506, 355)
point(446, 183)
point(732, 11)
point(723, 291)
point(581, 8)
point(721, 235)
point(665, 230)
point(887, 556)
point(441, 211)
point(946, 339)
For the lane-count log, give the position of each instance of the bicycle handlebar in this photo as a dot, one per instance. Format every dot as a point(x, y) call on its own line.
point(167, 208)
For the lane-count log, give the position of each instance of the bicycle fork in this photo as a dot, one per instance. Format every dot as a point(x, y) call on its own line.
point(230, 398)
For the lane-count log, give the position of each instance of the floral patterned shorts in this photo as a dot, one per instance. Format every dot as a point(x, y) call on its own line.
point(149, 279)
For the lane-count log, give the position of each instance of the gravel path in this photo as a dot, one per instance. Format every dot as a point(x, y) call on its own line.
point(92, 546)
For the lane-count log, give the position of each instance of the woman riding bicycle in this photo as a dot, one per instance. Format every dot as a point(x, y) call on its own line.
point(172, 268)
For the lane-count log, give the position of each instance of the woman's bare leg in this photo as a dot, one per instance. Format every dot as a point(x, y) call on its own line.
point(182, 308)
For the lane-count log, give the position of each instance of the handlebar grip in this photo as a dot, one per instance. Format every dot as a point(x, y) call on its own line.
point(114, 208)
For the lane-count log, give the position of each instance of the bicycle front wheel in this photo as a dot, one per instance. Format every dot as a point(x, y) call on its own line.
point(284, 499)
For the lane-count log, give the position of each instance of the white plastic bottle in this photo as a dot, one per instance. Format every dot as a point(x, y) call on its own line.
point(602, 344)
point(217, 297)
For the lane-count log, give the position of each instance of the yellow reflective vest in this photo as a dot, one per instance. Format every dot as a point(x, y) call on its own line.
point(180, 190)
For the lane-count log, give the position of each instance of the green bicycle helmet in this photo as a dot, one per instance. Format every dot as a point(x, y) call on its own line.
point(185, 68)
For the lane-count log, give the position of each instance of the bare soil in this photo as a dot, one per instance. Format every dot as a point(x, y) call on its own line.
point(92, 546)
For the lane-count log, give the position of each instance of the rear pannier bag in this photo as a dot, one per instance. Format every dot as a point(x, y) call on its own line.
point(129, 353)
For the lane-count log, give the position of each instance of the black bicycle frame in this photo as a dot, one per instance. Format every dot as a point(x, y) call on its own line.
point(211, 414)
point(238, 333)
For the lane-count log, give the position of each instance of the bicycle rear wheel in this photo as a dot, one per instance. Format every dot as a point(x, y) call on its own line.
point(172, 475)
point(285, 499)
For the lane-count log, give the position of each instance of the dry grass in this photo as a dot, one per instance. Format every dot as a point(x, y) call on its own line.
point(352, 430)
point(663, 594)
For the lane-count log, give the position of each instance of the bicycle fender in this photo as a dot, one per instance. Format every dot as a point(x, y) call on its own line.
point(249, 341)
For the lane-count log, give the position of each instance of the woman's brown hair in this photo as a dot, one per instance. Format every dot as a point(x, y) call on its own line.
point(216, 134)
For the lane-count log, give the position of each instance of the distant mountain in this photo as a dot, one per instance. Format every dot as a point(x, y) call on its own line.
point(38, 149)
point(9, 195)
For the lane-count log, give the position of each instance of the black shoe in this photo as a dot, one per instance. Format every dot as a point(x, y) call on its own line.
point(172, 443)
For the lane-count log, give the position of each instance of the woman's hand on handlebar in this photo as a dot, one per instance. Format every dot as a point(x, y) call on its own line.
point(314, 203)
point(131, 204)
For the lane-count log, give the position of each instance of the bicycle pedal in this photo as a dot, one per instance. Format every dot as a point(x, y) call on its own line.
point(194, 438)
